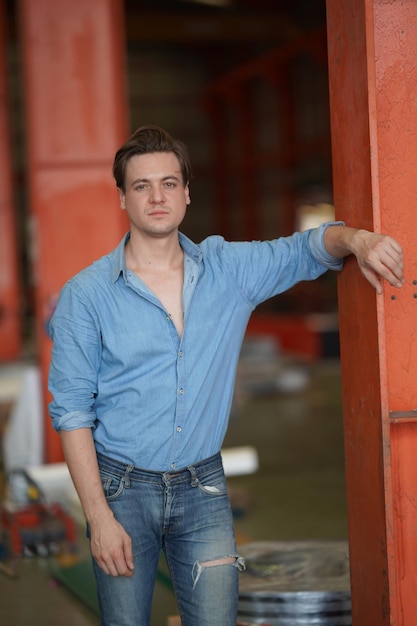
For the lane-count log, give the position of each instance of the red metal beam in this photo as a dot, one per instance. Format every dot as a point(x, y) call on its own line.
point(73, 53)
point(373, 84)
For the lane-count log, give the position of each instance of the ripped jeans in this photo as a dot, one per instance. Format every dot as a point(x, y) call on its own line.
point(187, 514)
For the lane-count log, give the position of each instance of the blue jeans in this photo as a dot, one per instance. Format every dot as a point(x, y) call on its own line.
point(187, 514)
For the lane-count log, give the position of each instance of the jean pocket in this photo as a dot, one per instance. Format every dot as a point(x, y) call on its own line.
point(214, 485)
point(112, 486)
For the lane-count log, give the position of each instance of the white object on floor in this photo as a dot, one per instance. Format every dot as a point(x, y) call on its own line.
point(240, 460)
point(23, 438)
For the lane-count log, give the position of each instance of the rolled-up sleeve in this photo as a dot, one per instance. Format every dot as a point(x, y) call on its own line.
point(318, 249)
point(75, 332)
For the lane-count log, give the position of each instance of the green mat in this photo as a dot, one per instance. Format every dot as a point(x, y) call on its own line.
point(79, 579)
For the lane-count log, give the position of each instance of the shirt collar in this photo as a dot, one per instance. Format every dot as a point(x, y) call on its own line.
point(118, 263)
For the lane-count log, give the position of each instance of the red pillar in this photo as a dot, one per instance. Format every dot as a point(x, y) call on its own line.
point(373, 97)
point(10, 309)
point(76, 119)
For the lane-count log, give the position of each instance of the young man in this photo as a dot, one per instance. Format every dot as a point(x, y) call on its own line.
point(146, 344)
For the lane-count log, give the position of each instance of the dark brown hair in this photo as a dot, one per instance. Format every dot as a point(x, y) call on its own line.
point(146, 140)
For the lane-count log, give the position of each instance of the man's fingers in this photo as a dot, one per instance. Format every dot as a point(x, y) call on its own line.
point(116, 565)
point(128, 558)
point(393, 259)
point(373, 279)
point(384, 260)
point(392, 274)
point(107, 565)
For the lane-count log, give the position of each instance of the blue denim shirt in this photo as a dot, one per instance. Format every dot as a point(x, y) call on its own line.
point(152, 398)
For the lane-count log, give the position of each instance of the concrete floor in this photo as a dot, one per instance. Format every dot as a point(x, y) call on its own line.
point(297, 493)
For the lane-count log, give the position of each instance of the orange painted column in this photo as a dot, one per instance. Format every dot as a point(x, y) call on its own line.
point(10, 309)
point(373, 98)
point(73, 53)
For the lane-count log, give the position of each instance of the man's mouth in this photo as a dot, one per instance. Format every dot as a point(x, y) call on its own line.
point(158, 212)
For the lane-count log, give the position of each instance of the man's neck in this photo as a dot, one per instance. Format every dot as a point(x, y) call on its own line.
point(143, 252)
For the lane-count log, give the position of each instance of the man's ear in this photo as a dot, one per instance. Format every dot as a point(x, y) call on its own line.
point(122, 198)
point(187, 194)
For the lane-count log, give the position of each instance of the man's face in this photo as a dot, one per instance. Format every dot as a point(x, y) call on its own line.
point(155, 197)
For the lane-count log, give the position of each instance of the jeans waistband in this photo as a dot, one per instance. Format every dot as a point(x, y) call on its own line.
point(185, 474)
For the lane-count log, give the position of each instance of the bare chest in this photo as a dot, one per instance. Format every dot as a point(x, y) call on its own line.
point(167, 287)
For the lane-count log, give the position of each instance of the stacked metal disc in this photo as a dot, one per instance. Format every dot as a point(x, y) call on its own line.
point(295, 584)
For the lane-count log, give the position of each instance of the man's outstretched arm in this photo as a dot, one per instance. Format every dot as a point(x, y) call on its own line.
point(379, 257)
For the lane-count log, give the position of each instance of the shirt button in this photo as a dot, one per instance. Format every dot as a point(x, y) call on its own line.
point(181, 353)
point(172, 465)
point(179, 429)
point(181, 392)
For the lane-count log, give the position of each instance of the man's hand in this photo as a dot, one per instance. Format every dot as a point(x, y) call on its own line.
point(111, 547)
point(378, 256)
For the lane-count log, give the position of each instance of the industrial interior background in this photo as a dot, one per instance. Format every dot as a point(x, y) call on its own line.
point(244, 83)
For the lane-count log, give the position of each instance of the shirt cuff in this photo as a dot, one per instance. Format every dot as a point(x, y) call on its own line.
point(318, 249)
point(74, 420)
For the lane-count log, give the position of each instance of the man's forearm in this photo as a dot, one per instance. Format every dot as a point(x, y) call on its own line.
point(80, 456)
point(339, 241)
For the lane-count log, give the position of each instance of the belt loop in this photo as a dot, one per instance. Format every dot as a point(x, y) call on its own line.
point(126, 477)
point(194, 479)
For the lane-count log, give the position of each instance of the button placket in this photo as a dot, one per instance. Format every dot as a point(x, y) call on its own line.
point(180, 413)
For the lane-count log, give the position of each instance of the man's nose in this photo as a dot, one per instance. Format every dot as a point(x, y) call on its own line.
point(157, 195)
